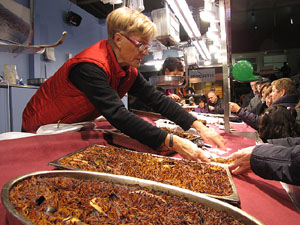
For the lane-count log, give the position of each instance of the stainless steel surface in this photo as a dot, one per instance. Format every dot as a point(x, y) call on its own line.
point(172, 190)
point(36, 81)
point(226, 63)
point(294, 193)
point(167, 80)
point(4, 85)
point(167, 26)
point(232, 199)
point(247, 134)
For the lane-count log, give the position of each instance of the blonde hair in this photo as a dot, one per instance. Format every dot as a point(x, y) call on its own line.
point(285, 84)
point(128, 21)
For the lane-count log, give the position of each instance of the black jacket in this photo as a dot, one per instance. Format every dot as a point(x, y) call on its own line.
point(219, 106)
point(92, 80)
point(288, 100)
point(279, 160)
point(247, 99)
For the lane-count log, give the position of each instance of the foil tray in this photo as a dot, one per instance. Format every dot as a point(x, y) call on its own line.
point(14, 217)
point(232, 199)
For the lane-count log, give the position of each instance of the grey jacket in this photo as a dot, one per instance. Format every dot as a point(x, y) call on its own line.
point(253, 103)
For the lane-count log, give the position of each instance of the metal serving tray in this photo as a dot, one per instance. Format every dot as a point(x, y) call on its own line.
point(232, 199)
point(117, 138)
point(167, 80)
point(14, 217)
point(152, 115)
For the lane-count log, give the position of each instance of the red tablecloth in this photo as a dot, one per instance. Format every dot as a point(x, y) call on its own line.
point(263, 199)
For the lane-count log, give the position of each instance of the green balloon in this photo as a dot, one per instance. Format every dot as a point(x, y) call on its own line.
point(243, 71)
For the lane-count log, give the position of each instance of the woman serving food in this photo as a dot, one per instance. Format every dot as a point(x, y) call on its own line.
point(93, 82)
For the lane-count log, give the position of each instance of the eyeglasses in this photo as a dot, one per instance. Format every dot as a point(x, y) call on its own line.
point(139, 45)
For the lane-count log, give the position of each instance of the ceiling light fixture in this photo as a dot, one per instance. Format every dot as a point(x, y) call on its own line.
point(199, 49)
point(208, 14)
point(205, 49)
point(207, 63)
point(184, 15)
point(112, 2)
point(213, 49)
point(213, 31)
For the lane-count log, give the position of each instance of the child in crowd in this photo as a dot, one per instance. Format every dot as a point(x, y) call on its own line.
point(278, 122)
point(202, 105)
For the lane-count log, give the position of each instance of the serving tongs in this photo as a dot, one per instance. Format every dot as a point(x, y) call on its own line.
point(199, 143)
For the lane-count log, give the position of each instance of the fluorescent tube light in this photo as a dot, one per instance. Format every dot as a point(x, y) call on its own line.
point(208, 14)
point(199, 49)
point(183, 13)
point(213, 49)
point(205, 49)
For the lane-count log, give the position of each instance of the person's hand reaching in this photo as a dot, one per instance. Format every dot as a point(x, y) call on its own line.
point(241, 162)
point(187, 149)
point(175, 97)
point(209, 135)
point(234, 107)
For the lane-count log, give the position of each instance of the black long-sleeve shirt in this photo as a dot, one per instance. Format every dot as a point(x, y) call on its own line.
point(93, 82)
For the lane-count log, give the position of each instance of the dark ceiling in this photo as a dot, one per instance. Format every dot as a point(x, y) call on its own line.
point(263, 25)
point(256, 25)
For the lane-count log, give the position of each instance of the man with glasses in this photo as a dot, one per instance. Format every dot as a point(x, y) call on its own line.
point(93, 82)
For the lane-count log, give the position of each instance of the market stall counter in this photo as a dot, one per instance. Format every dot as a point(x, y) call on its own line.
point(265, 200)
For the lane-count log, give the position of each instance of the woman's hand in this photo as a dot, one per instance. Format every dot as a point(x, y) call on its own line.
point(234, 107)
point(241, 162)
point(210, 136)
point(186, 149)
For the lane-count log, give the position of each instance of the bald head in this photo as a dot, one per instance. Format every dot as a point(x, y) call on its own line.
point(212, 97)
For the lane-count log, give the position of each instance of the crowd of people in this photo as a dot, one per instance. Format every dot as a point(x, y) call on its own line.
point(93, 82)
point(275, 115)
point(273, 109)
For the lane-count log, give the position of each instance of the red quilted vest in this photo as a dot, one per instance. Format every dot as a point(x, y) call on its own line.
point(58, 99)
